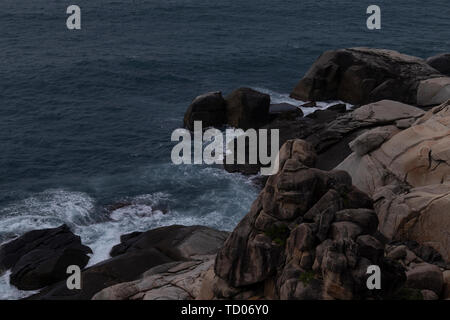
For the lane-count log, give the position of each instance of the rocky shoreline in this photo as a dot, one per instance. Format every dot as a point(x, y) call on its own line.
point(360, 187)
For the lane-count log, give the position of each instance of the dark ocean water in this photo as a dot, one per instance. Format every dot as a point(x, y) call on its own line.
point(86, 116)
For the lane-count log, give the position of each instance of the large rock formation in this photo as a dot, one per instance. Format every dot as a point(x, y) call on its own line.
point(41, 257)
point(247, 108)
point(408, 177)
point(364, 75)
point(210, 108)
point(309, 235)
point(138, 253)
point(441, 63)
point(244, 108)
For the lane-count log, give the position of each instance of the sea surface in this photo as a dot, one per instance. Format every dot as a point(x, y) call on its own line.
point(86, 116)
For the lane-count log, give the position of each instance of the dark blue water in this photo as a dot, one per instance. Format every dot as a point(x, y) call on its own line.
point(86, 116)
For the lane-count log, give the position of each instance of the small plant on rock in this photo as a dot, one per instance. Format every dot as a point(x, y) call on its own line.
point(278, 234)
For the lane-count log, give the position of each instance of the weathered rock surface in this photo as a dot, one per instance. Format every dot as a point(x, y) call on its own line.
point(441, 63)
point(325, 115)
point(429, 295)
point(210, 108)
point(364, 75)
point(170, 281)
point(423, 266)
point(331, 141)
point(446, 289)
point(371, 139)
point(280, 108)
point(425, 277)
point(247, 108)
point(41, 257)
point(178, 242)
point(409, 178)
point(433, 91)
point(309, 235)
point(330, 136)
point(138, 253)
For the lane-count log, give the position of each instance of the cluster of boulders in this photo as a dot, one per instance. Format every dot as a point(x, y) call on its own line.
point(243, 108)
point(310, 235)
point(365, 75)
point(358, 76)
point(39, 259)
point(356, 189)
point(427, 272)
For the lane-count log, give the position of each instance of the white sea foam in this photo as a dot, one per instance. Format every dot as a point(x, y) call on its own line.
point(276, 97)
point(220, 208)
point(8, 291)
point(44, 210)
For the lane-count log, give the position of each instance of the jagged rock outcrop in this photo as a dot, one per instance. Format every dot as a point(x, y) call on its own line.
point(408, 177)
point(137, 253)
point(41, 257)
point(210, 108)
point(365, 75)
point(309, 235)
